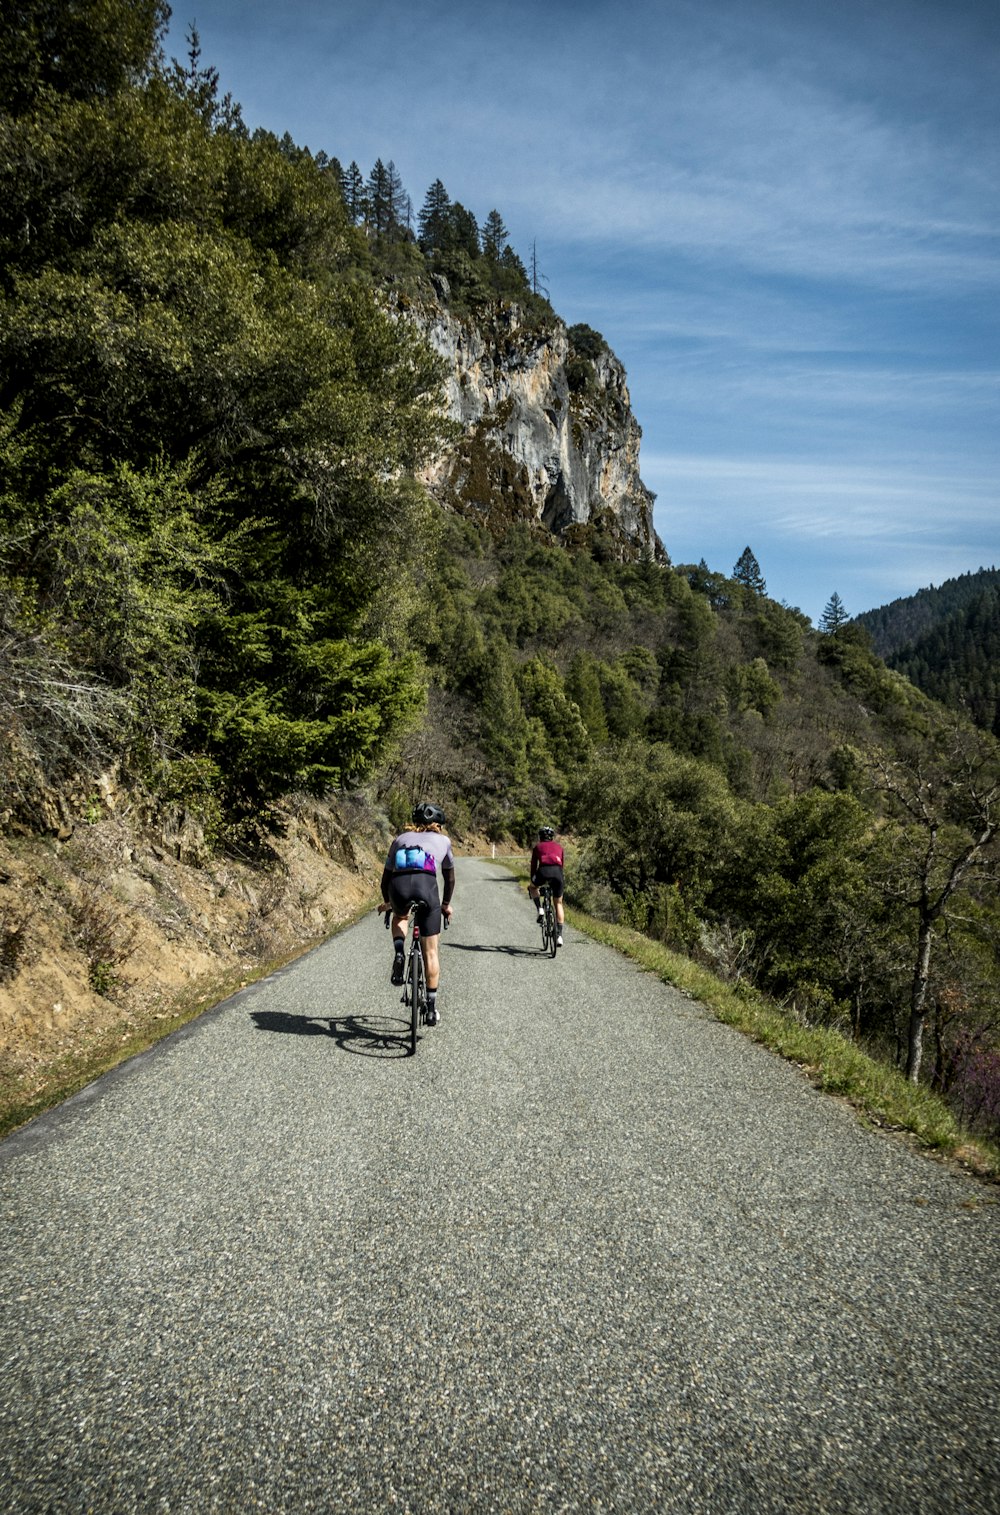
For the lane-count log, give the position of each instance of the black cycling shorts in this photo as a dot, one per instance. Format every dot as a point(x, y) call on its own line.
point(552, 874)
point(404, 888)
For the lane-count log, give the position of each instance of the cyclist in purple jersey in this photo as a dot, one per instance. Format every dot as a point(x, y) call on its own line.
point(410, 877)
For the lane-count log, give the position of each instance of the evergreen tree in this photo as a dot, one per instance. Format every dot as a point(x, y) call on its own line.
point(199, 84)
point(385, 210)
point(834, 616)
point(398, 200)
point(177, 348)
point(746, 571)
point(515, 275)
point(85, 51)
point(355, 197)
point(432, 222)
point(463, 231)
point(494, 236)
point(503, 724)
point(583, 687)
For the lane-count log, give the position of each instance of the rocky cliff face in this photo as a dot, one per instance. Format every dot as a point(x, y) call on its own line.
point(549, 434)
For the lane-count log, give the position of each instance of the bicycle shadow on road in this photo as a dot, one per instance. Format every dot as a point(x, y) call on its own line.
point(480, 947)
point(361, 1035)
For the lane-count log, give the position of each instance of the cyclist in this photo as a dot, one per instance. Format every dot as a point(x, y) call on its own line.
point(547, 868)
point(410, 876)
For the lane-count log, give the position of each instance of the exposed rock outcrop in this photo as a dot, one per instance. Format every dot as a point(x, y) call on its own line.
point(549, 434)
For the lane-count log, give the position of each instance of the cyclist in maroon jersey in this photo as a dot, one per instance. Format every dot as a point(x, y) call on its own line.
point(547, 868)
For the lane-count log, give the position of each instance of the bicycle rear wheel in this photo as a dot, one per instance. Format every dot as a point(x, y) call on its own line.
point(415, 988)
point(546, 920)
point(551, 925)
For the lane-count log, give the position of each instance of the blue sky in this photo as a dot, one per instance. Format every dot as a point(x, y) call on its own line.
point(783, 216)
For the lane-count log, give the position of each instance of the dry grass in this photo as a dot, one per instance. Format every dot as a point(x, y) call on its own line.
point(26, 1093)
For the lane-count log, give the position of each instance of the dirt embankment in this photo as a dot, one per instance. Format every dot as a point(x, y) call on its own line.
point(113, 930)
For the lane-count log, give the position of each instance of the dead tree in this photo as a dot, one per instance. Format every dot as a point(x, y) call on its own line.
point(948, 800)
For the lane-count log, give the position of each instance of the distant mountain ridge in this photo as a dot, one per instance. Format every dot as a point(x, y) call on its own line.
point(947, 642)
point(903, 622)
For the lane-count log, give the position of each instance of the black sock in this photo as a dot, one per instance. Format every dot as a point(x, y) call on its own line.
point(399, 945)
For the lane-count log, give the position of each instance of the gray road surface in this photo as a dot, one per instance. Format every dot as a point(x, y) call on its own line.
point(587, 1251)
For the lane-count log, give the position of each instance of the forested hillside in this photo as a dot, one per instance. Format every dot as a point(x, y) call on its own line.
point(209, 427)
point(947, 640)
point(903, 622)
point(220, 577)
point(768, 798)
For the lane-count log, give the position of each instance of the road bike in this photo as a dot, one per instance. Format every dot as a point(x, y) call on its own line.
point(414, 995)
point(550, 926)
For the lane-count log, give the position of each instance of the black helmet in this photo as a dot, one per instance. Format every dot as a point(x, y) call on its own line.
point(546, 834)
point(428, 815)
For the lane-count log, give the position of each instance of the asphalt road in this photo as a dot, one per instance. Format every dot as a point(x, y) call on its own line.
point(588, 1250)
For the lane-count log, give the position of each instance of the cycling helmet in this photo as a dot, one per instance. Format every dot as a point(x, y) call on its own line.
point(546, 834)
point(428, 815)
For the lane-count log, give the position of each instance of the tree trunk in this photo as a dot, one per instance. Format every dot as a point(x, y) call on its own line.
point(921, 978)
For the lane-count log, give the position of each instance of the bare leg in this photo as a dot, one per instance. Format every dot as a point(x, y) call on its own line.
point(431, 960)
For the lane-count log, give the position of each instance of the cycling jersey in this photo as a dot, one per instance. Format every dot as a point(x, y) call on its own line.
point(410, 876)
point(547, 854)
point(419, 852)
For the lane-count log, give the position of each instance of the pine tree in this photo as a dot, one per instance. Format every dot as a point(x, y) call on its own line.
point(514, 269)
point(432, 222)
point(379, 200)
point(834, 616)
point(504, 725)
point(463, 232)
point(198, 83)
point(583, 687)
point(354, 192)
point(746, 571)
point(494, 236)
point(397, 199)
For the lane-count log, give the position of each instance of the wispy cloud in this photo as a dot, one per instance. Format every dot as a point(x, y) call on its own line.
point(872, 533)
point(819, 500)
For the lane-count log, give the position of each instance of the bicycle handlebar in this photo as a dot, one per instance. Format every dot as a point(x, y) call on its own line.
point(388, 918)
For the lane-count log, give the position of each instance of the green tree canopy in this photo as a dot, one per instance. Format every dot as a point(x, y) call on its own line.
point(175, 325)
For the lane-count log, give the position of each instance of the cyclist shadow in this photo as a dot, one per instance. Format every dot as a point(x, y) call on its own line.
point(480, 947)
point(362, 1035)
